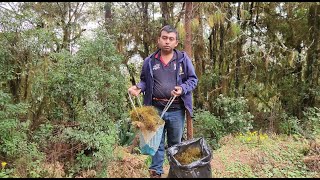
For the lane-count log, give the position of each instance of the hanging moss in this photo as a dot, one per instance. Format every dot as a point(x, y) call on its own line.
point(188, 156)
point(148, 116)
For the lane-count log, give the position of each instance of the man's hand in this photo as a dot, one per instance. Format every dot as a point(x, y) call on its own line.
point(177, 91)
point(134, 90)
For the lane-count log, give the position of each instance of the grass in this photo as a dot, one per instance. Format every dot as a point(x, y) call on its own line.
point(249, 155)
point(241, 156)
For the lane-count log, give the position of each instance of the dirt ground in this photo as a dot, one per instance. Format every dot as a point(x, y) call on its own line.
point(166, 171)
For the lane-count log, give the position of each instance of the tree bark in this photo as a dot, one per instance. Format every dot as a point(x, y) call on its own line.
point(167, 13)
point(146, 32)
point(187, 26)
point(199, 55)
point(312, 54)
point(188, 49)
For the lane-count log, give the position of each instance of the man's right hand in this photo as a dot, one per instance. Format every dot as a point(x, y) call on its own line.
point(134, 90)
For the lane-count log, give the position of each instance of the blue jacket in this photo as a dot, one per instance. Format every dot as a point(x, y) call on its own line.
point(187, 79)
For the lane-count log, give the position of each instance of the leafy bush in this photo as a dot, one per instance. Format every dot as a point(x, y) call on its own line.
point(234, 117)
point(13, 133)
point(233, 113)
point(14, 143)
point(311, 120)
point(86, 90)
point(208, 126)
point(289, 124)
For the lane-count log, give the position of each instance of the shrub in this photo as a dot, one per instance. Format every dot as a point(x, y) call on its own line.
point(233, 113)
point(208, 126)
point(311, 120)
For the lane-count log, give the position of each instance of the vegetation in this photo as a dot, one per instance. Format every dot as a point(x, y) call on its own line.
point(256, 155)
point(64, 109)
point(146, 118)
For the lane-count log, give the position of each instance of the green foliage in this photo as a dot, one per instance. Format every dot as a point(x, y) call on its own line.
point(240, 170)
point(43, 134)
point(5, 173)
point(285, 152)
point(6, 67)
point(91, 84)
point(208, 79)
point(311, 120)
point(307, 126)
point(289, 124)
point(233, 113)
point(13, 132)
point(208, 126)
point(274, 156)
point(29, 165)
point(289, 97)
point(126, 131)
point(233, 118)
point(14, 143)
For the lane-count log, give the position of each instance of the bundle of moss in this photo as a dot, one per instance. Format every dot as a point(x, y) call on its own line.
point(190, 155)
point(146, 118)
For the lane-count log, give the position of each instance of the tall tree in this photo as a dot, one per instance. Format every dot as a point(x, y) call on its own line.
point(200, 48)
point(188, 49)
point(188, 30)
point(313, 55)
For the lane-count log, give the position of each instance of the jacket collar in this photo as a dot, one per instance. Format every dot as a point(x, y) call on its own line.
point(180, 55)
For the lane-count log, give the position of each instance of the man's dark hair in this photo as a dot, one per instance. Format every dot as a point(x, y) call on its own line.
point(169, 29)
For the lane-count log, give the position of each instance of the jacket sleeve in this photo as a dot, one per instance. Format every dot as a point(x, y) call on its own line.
point(142, 83)
point(192, 79)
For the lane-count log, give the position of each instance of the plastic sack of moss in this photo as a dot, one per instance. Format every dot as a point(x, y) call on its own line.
point(183, 165)
point(150, 140)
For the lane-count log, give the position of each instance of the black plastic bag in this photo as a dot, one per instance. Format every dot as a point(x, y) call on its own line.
point(197, 169)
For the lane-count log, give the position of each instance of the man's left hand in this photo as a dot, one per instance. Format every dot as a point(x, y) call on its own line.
point(177, 91)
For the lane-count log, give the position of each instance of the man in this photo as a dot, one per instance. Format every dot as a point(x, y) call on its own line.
point(167, 72)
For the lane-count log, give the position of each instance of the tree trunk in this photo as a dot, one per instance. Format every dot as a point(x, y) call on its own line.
point(188, 49)
point(238, 55)
point(107, 12)
point(65, 27)
point(221, 58)
point(167, 13)
point(187, 26)
point(199, 56)
point(146, 32)
point(312, 55)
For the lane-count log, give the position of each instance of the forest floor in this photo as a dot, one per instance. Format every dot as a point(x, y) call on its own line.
point(275, 156)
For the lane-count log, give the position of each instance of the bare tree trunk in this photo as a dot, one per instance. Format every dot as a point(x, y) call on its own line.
point(188, 49)
point(187, 26)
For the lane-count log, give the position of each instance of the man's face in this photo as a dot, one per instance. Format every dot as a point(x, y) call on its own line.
point(167, 41)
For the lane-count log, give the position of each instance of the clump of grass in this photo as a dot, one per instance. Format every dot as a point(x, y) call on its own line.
point(146, 118)
point(188, 156)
